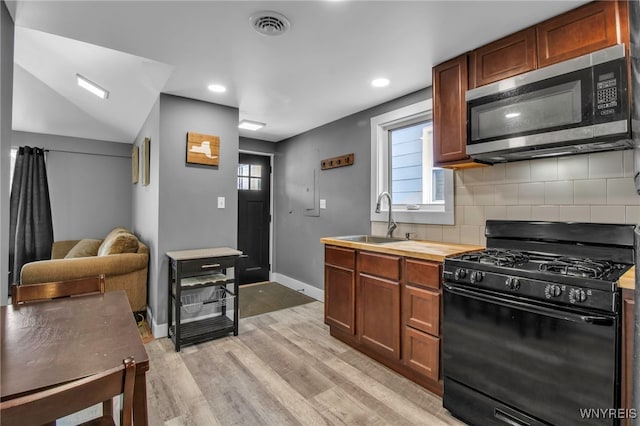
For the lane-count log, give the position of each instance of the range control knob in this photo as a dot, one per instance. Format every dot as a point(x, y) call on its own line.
point(577, 295)
point(476, 277)
point(512, 283)
point(554, 290)
point(460, 274)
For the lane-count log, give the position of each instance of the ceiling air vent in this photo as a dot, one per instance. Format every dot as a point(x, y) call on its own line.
point(270, 23)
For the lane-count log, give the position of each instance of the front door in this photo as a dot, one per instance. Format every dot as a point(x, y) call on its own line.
point(254, 216)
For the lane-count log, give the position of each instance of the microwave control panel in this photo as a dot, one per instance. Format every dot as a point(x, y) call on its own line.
point(610, 89)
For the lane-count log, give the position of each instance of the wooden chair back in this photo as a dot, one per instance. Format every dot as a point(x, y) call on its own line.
point(45, 291)
point(53, 403)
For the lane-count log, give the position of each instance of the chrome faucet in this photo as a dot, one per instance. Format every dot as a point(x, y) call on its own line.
point(391, 224)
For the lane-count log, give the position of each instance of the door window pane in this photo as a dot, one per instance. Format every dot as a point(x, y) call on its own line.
point(249, 177)
point(243, 183)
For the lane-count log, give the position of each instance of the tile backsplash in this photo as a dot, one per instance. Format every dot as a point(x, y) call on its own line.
point(582, 188)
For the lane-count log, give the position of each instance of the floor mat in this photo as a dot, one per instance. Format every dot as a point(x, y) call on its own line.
point(260, 298)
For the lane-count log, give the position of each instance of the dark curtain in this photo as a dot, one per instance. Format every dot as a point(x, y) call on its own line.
point(30, 225)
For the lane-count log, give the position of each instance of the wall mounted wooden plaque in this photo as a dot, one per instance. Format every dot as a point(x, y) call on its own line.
point(203, 149)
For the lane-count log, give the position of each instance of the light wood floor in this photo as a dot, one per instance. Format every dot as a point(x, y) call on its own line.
point(282, 369)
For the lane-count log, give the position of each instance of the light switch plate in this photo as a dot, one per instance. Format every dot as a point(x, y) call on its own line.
point(323, 204)
point(221, 202)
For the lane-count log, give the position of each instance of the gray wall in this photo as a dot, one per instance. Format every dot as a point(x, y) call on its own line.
point(257, 145)
point(6, 96)
point(145, 199)
point(89, 184)
point(188, 213)
point(298, 252)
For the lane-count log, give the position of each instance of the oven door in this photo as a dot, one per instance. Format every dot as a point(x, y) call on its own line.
point(509, 361)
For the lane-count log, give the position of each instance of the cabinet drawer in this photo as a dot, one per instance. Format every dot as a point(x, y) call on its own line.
point(421, 309)
point(379, 265)
point(338, 256)
point(423, 273)
point(421, 353)
point(206, 265)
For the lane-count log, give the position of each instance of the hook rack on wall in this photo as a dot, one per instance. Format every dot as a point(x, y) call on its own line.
point(341, 161)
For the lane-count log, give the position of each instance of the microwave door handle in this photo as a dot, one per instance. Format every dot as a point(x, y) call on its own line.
point(534, 309)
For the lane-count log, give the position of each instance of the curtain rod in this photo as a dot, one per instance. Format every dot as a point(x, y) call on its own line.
point(85, 153)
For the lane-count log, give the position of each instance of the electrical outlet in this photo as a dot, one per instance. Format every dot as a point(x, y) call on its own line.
point(221, 202)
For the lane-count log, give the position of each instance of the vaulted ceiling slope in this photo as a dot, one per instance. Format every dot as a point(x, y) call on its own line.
point(318, 71)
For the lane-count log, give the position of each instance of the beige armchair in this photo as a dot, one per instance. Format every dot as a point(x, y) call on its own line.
point(123, 271)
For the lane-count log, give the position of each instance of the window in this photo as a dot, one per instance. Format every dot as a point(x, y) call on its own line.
point(414, 180)
point(12, 167)
point(249, 177)
point(402, 164)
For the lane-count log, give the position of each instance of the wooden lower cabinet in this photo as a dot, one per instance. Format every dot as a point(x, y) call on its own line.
point(379, 315)
point(421, 352)
point(340, 289)
point(628, 307)
point(397, 304)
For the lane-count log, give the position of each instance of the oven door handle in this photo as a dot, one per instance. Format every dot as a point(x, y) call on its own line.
point(535, 309)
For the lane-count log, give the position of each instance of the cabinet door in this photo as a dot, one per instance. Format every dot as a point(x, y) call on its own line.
point(504, 58)
point(421, 309)
point(339, 298)
point(449, 111)
point(628, 305)
point(379, 315)
point(592, 27)
point(422, 353)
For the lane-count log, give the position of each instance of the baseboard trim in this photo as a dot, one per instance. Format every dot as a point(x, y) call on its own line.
point(158, 330)
point(296, 285)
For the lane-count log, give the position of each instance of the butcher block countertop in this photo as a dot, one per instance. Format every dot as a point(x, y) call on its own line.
point(427, 250)
point(628, 279)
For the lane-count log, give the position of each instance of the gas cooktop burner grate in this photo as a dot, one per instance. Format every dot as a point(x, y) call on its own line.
point(576, 267)
point(497, 257)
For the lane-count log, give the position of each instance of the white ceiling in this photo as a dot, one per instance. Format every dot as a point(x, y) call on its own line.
point(317, 72)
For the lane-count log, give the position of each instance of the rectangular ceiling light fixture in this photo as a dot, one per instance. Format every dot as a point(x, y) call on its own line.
point(250, 125)
point(92, 87)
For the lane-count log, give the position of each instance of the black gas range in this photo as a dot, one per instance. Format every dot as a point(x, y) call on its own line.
point(531, 325)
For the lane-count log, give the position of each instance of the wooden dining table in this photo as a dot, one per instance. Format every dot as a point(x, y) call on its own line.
point(45, 344)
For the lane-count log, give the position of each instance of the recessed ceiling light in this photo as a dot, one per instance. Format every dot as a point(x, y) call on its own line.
point(217, 88)
point(380, 82)
point(92, 87)
point(250, 125)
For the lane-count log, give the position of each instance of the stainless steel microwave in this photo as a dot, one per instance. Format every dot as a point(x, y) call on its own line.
point(580, 105)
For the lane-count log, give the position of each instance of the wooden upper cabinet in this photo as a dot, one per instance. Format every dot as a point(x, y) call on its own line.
point(591, 27)
point(509, 56)
point(449, 111)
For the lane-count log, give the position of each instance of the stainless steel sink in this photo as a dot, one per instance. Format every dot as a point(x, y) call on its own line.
point(371, 239)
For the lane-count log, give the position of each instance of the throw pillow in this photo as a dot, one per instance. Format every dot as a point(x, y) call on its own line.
point(116, 230)
point(84, 248)
point(117, 243)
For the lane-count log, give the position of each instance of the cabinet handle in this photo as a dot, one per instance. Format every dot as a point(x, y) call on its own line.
point(210, 265)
